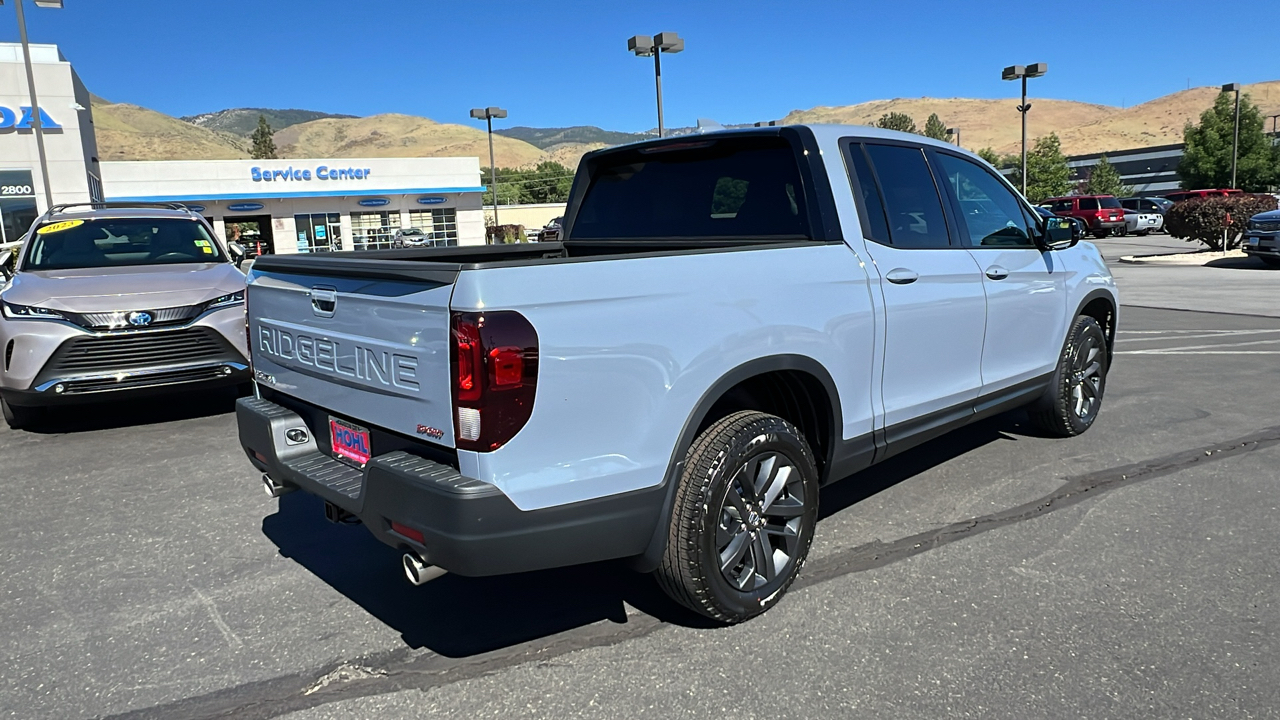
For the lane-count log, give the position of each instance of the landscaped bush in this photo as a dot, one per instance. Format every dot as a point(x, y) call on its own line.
point(1203, 219)
point(504, 234)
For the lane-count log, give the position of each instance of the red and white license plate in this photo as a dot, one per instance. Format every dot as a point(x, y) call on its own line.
point(349, 441)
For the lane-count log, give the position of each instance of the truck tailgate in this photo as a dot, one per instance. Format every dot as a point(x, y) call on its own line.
point(368, 349)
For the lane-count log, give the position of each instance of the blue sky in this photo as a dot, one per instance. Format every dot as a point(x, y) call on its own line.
point(558, 63)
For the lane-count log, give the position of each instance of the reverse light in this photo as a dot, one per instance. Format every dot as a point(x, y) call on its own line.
point(495, 371)
point(30, 312)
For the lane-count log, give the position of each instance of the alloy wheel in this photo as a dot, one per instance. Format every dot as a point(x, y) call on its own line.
point(759, 532)
point(1086, 369)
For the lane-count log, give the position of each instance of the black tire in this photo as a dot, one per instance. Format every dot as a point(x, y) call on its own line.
point(706, 515)
point(1270, 261)
point(1101, 234)
point(1064, 412)
point(18, 417)
point(1143, 233)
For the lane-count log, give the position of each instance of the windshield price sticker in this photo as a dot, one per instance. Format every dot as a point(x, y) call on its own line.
point(59, 226)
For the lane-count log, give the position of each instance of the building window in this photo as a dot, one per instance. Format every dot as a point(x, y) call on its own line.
point(374, 230)
point(17, 204)
point(440, 224)
point(319, 232)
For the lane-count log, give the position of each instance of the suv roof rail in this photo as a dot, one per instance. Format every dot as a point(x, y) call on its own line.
point(105, 204)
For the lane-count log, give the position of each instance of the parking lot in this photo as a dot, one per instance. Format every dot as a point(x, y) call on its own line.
point(1127, 572)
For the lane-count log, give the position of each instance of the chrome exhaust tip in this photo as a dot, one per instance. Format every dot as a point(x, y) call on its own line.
point(275, 489)
point(418, 571)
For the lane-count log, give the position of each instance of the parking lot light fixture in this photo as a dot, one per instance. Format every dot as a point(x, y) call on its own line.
point(36, 125)
point(1023, 73)
point(956, 132)
point(644, 46)
point(488, 114)
point(1235, 138)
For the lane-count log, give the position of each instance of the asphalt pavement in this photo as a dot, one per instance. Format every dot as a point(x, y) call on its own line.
point(992, 573)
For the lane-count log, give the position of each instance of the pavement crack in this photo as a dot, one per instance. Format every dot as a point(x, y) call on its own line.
point(405, 669)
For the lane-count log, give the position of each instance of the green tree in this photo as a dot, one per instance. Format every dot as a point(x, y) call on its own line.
point(264, 145)
point(1104, 179)
point(1206, 162)
point(548, 182)
point(990, 156)
point(897, 121)
point(935, 128)
point(1047, 172)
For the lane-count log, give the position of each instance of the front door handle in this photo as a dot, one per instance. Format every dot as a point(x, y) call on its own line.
point(902, 276)
point(995, 272)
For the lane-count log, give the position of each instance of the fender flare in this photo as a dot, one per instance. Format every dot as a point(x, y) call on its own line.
point(1111, 299)
point(652, 556)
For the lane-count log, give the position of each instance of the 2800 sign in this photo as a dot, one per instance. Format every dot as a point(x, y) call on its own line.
point(16, 190)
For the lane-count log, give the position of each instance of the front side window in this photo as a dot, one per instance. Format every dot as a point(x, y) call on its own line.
point(992, 215)
point(114, 242)
point(912, 206)
point(746, 187)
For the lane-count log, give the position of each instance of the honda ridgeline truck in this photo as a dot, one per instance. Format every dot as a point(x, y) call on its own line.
point(729, 322)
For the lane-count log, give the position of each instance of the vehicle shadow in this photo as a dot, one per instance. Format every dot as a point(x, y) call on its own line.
point(1239, 263)
point(109, 415)
point(459, 617)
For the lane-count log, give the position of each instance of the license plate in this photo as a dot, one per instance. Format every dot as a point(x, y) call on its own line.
point(349, 441)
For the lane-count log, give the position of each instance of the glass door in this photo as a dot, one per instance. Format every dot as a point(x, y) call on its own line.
point(319, 232)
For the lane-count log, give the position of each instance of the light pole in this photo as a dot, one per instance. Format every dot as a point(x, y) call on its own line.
point(488, 114)
point(1023, 72)
point(956, 132)
point(36, 124)
point(644, 46)
point(1235, 137)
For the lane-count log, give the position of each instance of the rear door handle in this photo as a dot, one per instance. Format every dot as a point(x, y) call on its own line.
point(902, 276)
point(995, 272)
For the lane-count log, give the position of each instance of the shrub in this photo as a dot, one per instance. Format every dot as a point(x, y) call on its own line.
point(504, 234)
point(1203, 219)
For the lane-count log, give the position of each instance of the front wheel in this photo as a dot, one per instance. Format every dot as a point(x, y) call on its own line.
point(744, 517)
point(1071, 403)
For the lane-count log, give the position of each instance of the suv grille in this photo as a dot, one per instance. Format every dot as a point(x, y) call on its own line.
point(1269, 226)
point(120, 320)
point(136, 351)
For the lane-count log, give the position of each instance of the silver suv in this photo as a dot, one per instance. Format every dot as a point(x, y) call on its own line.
point(109, 299)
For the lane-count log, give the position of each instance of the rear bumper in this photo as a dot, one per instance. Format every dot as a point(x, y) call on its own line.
point(1107, 225)
point(469, 527)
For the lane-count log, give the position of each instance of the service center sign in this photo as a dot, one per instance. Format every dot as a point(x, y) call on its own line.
point(322, 172)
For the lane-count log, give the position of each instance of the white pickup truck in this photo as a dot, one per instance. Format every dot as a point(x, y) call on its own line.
point(730, 322)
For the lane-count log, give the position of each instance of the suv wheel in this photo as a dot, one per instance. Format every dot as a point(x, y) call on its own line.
point(1073, 399)
point(744, 516)
point(19, 417)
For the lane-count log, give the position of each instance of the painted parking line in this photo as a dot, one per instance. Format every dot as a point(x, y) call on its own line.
point(1229, 347)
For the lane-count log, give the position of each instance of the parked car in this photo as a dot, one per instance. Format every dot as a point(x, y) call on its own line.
point(1079, 229)
point(412, 237)
point(551, 232)
point(1140, 223)
point(1102, 214)
point(1262, 237)
point(114, 300)
point(1147, 204)
point(1191, 194)
point(675, 387)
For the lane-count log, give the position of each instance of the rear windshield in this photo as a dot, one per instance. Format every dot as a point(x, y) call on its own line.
point(1109, 202)
point(704, 189)
point(114, 242)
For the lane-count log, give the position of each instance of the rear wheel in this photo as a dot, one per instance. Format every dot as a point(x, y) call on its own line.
point(1101, 234)
point(18, 417)
point(1071, 403)
point(744, 517)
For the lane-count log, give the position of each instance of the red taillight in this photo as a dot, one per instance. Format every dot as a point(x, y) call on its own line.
point(407, 531)
point(495, 369)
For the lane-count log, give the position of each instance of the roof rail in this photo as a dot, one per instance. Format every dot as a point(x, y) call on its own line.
point(105, 205)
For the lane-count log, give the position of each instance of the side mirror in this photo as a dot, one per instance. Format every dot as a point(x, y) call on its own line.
point(238, 252)
point(1059, 234)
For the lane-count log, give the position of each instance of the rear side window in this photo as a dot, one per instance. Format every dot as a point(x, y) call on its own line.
point(912, 205)
point(1088, 203)
point(1131, 204)
point(875, 225)
point(724, 188)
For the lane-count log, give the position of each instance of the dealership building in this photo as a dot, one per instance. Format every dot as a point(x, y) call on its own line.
point(285, 206)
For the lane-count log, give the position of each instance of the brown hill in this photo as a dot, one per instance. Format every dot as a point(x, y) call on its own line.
point(1083, 128)
point(130, 132)
point(399, 136)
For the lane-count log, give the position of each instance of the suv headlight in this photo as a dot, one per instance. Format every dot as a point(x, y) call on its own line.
point(235, 298)
point(1253, 224)
point(30, 312)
